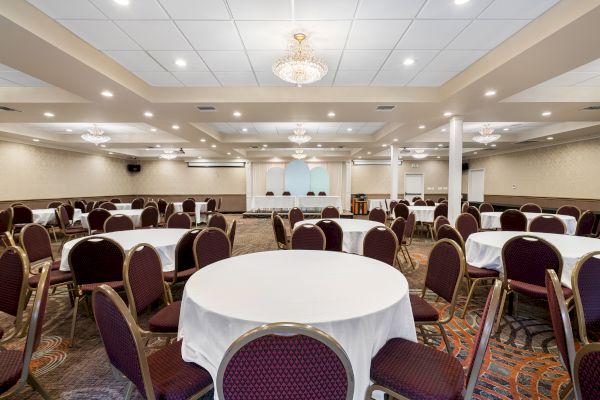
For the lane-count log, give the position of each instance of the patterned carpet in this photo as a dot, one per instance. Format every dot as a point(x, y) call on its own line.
point(522, 361)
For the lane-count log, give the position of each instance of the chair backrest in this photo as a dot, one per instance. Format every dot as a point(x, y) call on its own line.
point(404, 201)
point(464, 207)
point(70, 211)
point(419, 203)
point(445, 269)
point(526, 259)
point(137, 203)
point(6, 218)
point(547, 224)
point(184, 252)
point(288, 361)
point(398, 227)
point(115, 200)
point(162, 206)
point(151, 203)
point(170, 210)
point(466, 225)
point(278, 231)
point(35, 240)
point(54, 204)
point(409, 228)
point(430, 202)
point(211, 205)
point(330, 212)
point(439, 221)
point(310, 193)
point(381, 243)
point(22, 215)
point(392, 205)
point(79, 204)
point(188, 205)
point(191, 198)
point(62, 217)
point(96, 259)
point(217, 221)
point(108, 206)
point(401, 210)
point(486, 207)
point(587, 365)
point(513, 220)
point(440, 199)
point(585, 282)
point(97, 217)
point(378, 215)
point(334, 235)
point(531, 208)
point(295, 215)
point(118, 222)
point(441, 210)
point(450, 233)
point(269, 193)
point(308, 237)
point(179, 220)
point(416, 198)
point(322, 194)
point(149, 217)
point(585, 224)
point(211, 245)
point(286, 193)
point(90, 206)
point(143, 278)
point(14, 272)
point(573, 211)
point(231, 233)
point(474, 211)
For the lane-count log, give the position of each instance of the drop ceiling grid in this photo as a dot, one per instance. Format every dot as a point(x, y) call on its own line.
point(230, 42)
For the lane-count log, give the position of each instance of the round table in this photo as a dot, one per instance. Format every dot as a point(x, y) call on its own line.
point(423, 213)
point(135, 215)
point(491, 220)
point(123, 206)
point(484, 249)
point(163, 240)
point(46, 216)
point(354, 231)
point(359, 301)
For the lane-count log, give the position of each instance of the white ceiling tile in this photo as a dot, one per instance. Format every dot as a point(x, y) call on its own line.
point(267, 78)
point(236, 78)
point(431, 34)
point(226, 60)
point(325, 34)
point(261, 9)
point(158, 78)
point(6, 83)
point(593, 66)
point(389, 9)
point(265, 127)
point(486, 34)
point(376, 34)
point(135, 60)
point(330, 9)
point(22, 79)
point(517, 9)
point(354, 78)
point(103, 35)
point(454, 60)
point(167, 60)
point(265, 35)
point(196, 78)
point(155, 35)
point(263, 60)
point(326, 81)
point(431, 78)
point(190, 9)
point(363, 59)
point(594, 82)
point(569, 79)
point(211, 35)
point(146, 9)
point(447, 9)
point(421, 57)
point(74, 9)
point(393, 78)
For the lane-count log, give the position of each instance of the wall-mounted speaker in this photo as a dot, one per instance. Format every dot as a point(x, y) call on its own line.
point(134, 167)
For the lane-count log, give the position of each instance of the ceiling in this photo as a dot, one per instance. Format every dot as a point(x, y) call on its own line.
point(536, 56)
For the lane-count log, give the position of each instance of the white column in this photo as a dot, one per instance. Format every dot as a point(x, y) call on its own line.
point(249, 185)
point(393, 172)
point(347, 193)
point(455, 168)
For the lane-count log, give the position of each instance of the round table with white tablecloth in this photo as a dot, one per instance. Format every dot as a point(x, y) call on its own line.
point(135, 215)
point(163, 240)
point(359, 301)
point(491, 220)
point(423, 213)
point(354, 231)
point(123, 206)
point(45, 216)
point(484, 249)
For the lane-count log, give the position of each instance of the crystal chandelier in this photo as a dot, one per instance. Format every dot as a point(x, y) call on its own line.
point(299, 136)
point(486, 135)
point(95, 135)
point(300, 66)
point(419, 154)
point(299, 155)
point(168, 155)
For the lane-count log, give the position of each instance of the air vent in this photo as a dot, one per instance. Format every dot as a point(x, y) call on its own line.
point(384, 108)
point(3, 108)
point(254, 147)
point(206, 108)
point(590, 108)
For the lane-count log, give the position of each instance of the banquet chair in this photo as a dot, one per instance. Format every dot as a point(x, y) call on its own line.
point(6, 217)
point(585, 224)
point(231, 233)
point(191, 198)
point(108, 206)
point(70, 212)
point(380, 243)
point(430, 202)
point(149, 217)
point(398, 228)
point(391, 207)
point(401, 210)
point(54, 204)
point(441, 210)
point(217, 220)
point(330, 212)
point(22, 215)
point(486, 207)
point(403, 369)
point(585, 374)
point(451, 233)
point(416, 198)
point(573, 211)
point(307, 237)
point(322, 194)
point(160, 375)
point(420, 203)
point(530, 208)
point(118, 222)
point(169, 210)
point(179, 220)
point(162, 206)
point(286, 193)
point(115, 200)
point(68, 230)
point(437, 223)
point(465, 207)
point(16, 365)
point(378, 215)
point(440, 199)
point(334, 235)
point(185, 263)
point(269, 193)
point(288, 361)
point(525, 260)
point(188, 206)
point(281, 238)
point(445, 269)
point(409, 231)
point(585, 283)
point(466, 225)
point(211, 206)
point(547, 224)
point(474, 211)
point(18, 203)
point(404, 201)
point(137, 203)
point(94, 261)
point(14, 272)
point(151, 203)
point(90, 206)
point(310, 193)
point(206, 199)
point(513, 220)
point(96, 219)
point(295, 215)
point(144, 286)
point(218, 208)
point(211, 245)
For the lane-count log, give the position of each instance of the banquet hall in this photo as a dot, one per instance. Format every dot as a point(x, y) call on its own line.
point(300, 199)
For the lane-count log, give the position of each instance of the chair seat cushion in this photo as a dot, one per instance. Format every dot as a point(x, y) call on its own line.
point(97, 231)
point(166, 319)
point(173, 378)
point(56, 277)
point(1, 332)
point(476, 273)
point(417, 371)
point(74, 230)
point(535, 291)
point(88, 288)
point(55, 266)
point(181, 275)
point(422, 310)
point(11, 366)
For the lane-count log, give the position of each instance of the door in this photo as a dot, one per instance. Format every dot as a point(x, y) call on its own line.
point(476, 185)
point(414, 185)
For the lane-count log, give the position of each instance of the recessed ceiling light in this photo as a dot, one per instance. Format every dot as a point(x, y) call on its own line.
point(331, 114)
point(319, 145)
point(199, 157)
point(421, 126)
point(546, 113)
point(148, 114)
point(106, 93)
point(438, 157)
point(102, 145)
point(36, 140)
point(408, 61)
point(384, 145)
point(349, 130)
point(263, 149)
point(493, 145)
point(368, 152)
point(506, 129)
point(395, 140)
point(490, 93)
point(549, 138)
point(265, 145)
point(203, 140)
point(237, 114)
point(175, 127)
point(49, 114)
point(153, 129)
point(122, 2)
point(447, 114)
point(460, 2)
point(111, 153)
point(443, 129)
point(475, 153)
point(157, 145)
point(147, 149)
point(359, 156)
point(228, 153)
point(440, 145)
point(244, 129)
point(69, 130)
point(213, 146)
point(180, 62)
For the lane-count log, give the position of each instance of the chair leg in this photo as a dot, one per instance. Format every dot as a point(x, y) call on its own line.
point(471, 286)
point(74, 321)
point(37, 387)
point(445, 337)
point(500, 312)
point(412, 264)
point(128, 391)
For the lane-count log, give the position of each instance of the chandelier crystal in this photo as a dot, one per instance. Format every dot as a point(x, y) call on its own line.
point(299, 136)
point(300, 66)
point(299, 155)
point(95, 135)
point(486, 135)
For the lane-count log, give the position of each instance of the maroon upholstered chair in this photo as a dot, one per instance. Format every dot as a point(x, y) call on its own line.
point(288, 361)
point(6, 217)
point(466, 224)
point(420, 203)
point(96, 219)
point(334, 235)
point(409, 231)
point(80, 205)
point(308, 237)
point(90, 206)
point(465, 207)
point(547, 224)
point(162, 206)
point(378, 215)
point(438, 222)
point(486, 207)
point(311, 193)
point(161, 375)
point(151, 203)
point(170, 210)
point(573, 211)
point(398, 228)
point(474, 211)
point(94, 261)
point(108, 206)
point(118, 222)
point(211, 245)
point(450, 233)
point(217, 220)
point(231, 233)
point(430, 202)
point(185, 263)
point(281, 238)
point(269, 193)
point(137, 203)
point(445, 269)
point(70, 212)
point(22, 215)
point(585, 282)
point(416, 198)
point(149, 217)
point(440, 199)
point(322, 194)
point(330, 212)
point(381, 244)
point(286, 193)
point(115, 200)
point(54, 204)
point(585, 224)
point(404, 201)
point(530, 208)
point(15, 365)
point(404, 369)
point(68, 230)
point(513, 220)
point(441, 210)
point(391, 207)
point(211, 206)
point(179, 220)
point(295, 215)
point(587, 366)
point(401, 210)
point(188, 206)
point(14, 270)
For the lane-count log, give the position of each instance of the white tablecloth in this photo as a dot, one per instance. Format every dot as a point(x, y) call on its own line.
point(354, 232)
point(360, 302)
point(135, 215)
point(123, 206)
point(422, 213)
point(484, 249)
point(319, 201)
point(287, 202)
point(491, 220)
point(200, 208)
point(45, 216)
point(163, 240)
